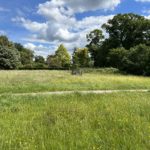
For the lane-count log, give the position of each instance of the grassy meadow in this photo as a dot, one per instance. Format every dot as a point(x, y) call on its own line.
point(44, 81)
point(75, 122)
point(117, 121)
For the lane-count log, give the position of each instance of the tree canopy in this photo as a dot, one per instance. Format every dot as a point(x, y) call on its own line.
point(128, 30)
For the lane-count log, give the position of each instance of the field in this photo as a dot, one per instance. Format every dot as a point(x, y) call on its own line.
point(43, 81)
point(117, 121)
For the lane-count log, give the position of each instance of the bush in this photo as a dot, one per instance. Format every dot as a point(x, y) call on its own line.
point(26, 67)
point(40, 66)
point(34, 66)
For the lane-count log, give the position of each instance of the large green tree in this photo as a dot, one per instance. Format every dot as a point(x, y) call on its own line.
point(13, 52)
point(9, 58)
point(128, 30)
point(95, 39)
point(26, 55)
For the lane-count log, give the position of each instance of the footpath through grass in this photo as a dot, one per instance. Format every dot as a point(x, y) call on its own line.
point(45, 81)
point(118, 121)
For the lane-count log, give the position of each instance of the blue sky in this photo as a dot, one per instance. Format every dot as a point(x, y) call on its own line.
point(42, 25)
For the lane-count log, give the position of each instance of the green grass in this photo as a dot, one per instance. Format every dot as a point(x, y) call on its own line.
point(118, 121)
point(42, 81)
point(75, 122)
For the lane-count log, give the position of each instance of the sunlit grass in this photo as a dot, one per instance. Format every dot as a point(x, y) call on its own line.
point(75, 122)
point(38, 81)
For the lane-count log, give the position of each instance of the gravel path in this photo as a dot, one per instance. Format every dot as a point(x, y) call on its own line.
point(81, 92)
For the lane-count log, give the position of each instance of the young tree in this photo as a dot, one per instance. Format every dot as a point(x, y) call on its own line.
point(53, 62)
point(63, 56)
point(81, 57)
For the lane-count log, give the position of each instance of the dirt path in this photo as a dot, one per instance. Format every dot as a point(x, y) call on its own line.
point(81, 92)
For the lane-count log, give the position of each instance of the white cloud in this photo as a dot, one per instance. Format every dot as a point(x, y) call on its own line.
point(40, 49)
point(81, 5)
point(61, 25)
point(148, 17)
point(86, 5)
point(30, 46)
point(29, 25)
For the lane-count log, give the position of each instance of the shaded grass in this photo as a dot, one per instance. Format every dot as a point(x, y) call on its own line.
point(74, 122)
point(42, 81)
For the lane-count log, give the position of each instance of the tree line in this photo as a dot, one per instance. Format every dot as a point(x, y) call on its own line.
point(16, 56)
point(126, 47)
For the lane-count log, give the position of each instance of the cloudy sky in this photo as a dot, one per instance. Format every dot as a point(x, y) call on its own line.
point(42, 25)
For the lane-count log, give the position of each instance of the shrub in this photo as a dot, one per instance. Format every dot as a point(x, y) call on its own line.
point(61, 58)
point(81, 57)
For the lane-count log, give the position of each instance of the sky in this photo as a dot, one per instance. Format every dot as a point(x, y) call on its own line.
point(42, 25)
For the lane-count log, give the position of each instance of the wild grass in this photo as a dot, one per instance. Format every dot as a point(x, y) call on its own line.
point(75, 122)
point(42, 81)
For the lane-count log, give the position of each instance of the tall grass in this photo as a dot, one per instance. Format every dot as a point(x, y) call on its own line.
point(75, 122)
point(38, 81)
